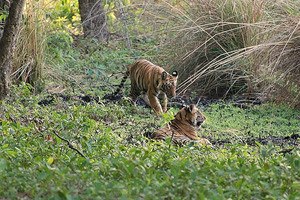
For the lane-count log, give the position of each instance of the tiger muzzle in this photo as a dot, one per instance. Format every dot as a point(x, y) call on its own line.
point(200, 122)
point(171, 94)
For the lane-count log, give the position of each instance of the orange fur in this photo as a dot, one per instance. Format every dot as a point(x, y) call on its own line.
point(182, 129)
point(151, 81)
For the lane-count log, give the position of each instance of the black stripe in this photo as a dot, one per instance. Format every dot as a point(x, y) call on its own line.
point(137, 80)
point(154, 87)
point(190, 122)
point(122, 83)
point(142, 77)
point(180, 115)
point(138, 76)
point(185, 114)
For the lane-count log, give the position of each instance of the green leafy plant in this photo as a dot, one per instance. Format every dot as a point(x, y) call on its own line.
point(120, 162)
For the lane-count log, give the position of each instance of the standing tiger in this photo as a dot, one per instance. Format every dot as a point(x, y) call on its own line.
point(153, 82)
point(182, 129)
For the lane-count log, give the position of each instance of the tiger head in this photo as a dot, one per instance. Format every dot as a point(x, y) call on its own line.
point(191, 115)
point(169, 83)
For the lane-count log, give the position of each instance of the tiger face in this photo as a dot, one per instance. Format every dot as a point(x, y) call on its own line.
point(191, 115)
point(169, 83)
point(182, 129)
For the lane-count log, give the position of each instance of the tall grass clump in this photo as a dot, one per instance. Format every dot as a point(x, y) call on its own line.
point(234, 47)
point(29, 55)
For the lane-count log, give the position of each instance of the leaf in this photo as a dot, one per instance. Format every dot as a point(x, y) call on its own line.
point(50, 160)
point(168, 140)
point(138, 11)
point(62, 194)
point(112, 16)
point(97, 74)
point(91, 72)
point(42, 176)
point(101, 67)
point(3, 17)
point(108, 130)
point(126, 2)
point(103, 73)
point(69, 197)
point(3, 164)
point(11, 152)
point(264, 152)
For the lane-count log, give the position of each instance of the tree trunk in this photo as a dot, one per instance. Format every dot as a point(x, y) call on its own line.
point(93, 19)
point(7, 44)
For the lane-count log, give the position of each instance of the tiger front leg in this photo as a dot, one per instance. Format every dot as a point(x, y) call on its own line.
point(154, 103)
point(163, 101)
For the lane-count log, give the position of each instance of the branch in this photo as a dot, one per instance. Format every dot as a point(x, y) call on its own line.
point(70, 145)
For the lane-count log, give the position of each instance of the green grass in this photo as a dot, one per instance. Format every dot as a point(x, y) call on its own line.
point(85, 66)
point(123, 164)
point(264, 120)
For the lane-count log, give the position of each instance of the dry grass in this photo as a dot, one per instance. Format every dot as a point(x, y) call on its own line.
point(234, 47)
point(29, 55)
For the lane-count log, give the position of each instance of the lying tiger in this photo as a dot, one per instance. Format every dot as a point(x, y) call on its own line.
point(182, 129)
point(153, 82)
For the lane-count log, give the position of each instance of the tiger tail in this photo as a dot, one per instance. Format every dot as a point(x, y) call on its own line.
point(122, 83)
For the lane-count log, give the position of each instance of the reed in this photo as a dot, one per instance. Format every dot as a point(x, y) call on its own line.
point(29, 54)
point(231, 47)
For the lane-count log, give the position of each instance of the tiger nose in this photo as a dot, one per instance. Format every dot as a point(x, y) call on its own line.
point(200, 122)
point(171, 94)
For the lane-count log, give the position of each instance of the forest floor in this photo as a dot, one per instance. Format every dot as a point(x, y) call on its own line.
point(70, 142)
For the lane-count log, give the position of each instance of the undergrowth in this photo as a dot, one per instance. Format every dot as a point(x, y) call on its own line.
point(85, 66)
point(121, 163)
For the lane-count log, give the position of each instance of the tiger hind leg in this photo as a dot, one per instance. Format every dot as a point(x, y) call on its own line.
point(134, 94)
point(146, 99)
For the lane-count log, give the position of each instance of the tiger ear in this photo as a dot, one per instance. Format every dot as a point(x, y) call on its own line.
point(164, 75)
point(191, 108)
point(175, 73)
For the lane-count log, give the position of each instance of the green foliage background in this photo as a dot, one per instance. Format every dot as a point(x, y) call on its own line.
point(121, 163)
